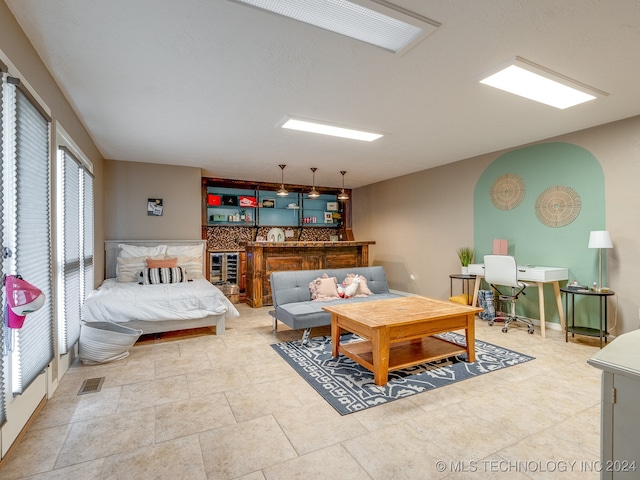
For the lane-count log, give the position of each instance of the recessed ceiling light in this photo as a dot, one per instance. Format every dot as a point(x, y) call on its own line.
point(534, 82)
point(327, 129)
point(377, 22)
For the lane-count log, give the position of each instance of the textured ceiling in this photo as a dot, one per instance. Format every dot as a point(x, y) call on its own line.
point(204, 82)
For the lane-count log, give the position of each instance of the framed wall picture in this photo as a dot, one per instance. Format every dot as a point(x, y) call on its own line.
point(328, 217)
point(154, 207)
point(268, 203)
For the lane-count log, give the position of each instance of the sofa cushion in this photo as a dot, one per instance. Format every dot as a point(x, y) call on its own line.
point(362, 289)
point(324, 288)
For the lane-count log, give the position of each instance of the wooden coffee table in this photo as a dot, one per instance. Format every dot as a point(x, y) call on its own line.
point(398, 332)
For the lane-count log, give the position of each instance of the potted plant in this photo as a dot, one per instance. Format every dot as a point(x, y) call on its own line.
point(466, 254)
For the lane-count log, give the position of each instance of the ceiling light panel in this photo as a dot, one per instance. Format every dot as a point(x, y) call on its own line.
point(376, 22)
point(537, 83)
point(312, 126)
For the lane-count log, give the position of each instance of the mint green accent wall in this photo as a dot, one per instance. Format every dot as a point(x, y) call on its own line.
point(543, 166)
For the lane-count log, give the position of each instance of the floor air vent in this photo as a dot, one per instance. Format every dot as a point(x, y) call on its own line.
point(91, 385)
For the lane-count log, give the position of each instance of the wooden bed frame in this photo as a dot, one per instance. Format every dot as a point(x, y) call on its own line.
point(111, 251)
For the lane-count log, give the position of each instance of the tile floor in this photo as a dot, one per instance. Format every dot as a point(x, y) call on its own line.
point(227, 407)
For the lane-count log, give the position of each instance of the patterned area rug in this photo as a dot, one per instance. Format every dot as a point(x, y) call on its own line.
point(349, 387)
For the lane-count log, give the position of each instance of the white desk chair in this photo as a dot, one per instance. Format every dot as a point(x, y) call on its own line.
point(503, 270)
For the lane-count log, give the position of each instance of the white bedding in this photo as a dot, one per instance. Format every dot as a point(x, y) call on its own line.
point(127, 301)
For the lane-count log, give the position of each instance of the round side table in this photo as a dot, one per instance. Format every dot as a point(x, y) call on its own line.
point(602, 313)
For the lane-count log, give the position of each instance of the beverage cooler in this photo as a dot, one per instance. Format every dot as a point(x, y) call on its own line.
point(224, 267)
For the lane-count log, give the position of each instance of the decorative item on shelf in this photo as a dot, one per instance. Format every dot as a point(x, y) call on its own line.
point(275, 235)
point(314, 193)
point(465, 254)
point(283, 191)
point(243, 215)
point(343, 195)
point(213, 200)
point(249, 202)
point(328, 217)
point(230, 200)
point(600, 239)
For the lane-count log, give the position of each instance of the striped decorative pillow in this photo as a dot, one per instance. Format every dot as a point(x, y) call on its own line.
point(151, 276)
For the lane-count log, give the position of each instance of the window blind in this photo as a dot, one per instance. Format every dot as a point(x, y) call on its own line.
point(33, 349)
point(69, 324)
point(87, 185)
point(3, 414)
point(77, 238)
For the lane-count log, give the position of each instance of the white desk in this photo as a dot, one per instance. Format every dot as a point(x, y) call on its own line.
point(537, 275)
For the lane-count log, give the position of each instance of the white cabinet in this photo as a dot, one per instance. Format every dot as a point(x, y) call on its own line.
point(620, 422)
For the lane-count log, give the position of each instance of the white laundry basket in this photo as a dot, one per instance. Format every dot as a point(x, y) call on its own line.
point(102, 342)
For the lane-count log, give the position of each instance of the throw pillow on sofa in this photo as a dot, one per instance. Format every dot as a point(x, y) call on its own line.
point(363, 288)
point(324, 288)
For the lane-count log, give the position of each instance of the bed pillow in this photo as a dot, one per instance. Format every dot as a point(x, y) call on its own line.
point(192, 266)
point(133, 251)
point(324, 288)
point(128, 269)
point(184, 250)
point(164, 263)
point(153, 276)
point(363, 288)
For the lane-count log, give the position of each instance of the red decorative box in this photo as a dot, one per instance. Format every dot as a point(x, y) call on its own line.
point(249, 202)
point(213, 200)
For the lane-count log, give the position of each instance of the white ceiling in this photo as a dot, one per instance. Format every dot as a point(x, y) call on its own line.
point(204, 82)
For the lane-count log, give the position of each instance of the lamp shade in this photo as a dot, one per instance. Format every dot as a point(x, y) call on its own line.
point(600, 239)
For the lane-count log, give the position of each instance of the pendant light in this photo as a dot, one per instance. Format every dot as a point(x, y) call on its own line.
point(343, 196)
point(314, 193)
point(283, 191)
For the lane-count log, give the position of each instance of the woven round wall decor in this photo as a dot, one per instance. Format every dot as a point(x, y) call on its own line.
point(558, 206)
point(507, 192)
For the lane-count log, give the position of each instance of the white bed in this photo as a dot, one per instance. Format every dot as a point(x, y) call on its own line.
point(162, 307)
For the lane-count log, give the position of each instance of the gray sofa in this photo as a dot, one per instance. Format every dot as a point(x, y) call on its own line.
point(292, 297)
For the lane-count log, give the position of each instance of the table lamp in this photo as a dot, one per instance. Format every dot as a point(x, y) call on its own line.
point(600, 239)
